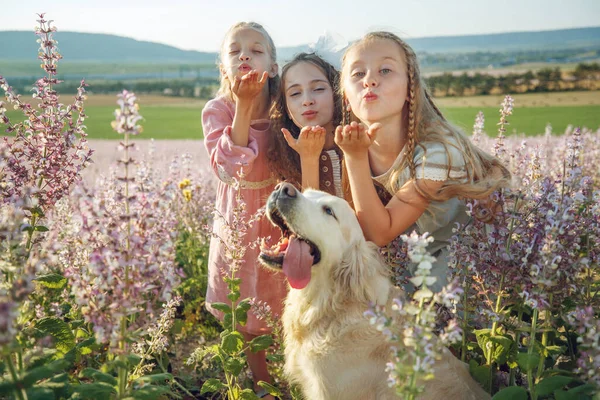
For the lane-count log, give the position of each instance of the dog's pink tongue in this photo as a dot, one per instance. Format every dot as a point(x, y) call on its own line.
point(297, 263)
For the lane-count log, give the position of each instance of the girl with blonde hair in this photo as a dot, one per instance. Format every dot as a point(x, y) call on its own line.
point(236, 130)
point(404, 142)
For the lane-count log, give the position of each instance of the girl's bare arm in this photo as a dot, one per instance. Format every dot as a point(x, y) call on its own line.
point(246, 90)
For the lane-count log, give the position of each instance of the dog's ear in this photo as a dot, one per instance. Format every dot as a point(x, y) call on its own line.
point(362, 274)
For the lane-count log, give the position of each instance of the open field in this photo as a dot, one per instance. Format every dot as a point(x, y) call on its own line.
point(180, 118)
point(552, 99)
point(530, 121)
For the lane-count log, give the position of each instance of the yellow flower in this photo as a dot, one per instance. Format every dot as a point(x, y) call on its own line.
point(187, 194)
point(184, 183)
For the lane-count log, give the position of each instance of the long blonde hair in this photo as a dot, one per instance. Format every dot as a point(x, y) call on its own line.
point(425, 123)
point(225, 85)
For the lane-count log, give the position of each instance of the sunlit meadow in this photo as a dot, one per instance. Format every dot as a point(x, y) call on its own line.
point(103, 248)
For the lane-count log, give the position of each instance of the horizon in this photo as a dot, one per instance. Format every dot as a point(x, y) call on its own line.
point(322, 34)
point(201, 25)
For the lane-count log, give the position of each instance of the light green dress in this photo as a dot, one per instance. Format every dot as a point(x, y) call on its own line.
point(432, 161)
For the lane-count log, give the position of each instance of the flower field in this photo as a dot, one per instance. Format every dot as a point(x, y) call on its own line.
point(103, 248)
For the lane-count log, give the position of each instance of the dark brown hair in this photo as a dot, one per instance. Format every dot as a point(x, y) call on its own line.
point(283, 161)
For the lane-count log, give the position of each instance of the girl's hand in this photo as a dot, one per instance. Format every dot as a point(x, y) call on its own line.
point(249, 86)
point(310, 142)
point(355, 139)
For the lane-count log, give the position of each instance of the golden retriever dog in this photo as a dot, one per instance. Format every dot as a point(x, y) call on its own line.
point(331, 350)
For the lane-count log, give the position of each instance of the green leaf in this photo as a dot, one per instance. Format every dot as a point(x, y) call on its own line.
point(260, 343)
point(95, 391)
point(83, 347)
point(151, 392)
point(58, 382)
point(7, 387)
point(232, 343)
point(272, 390)
point(233, 296)
point(52, 281)
point(133, 360)
point(504, 346)
point(528, 362)
point(156, 378)
point(43, 372)
point(227, 321)
point(557, 371)
point(481, 373)
point(241, 311)
point(564, 395)
point(35, 210)
point(40, 393)
point(276, 358)
point(241, 318)
point(41, 228)
point(98, 376)
point(511, 393)
point(233, 366)
point(59, 330)
point(586, 388)
point(483, 337)
point(234, 281)
point(554, 350)
point(212, 385)
point(221, 307)
point(552, 383)
point(243, 306)
point(248, 394)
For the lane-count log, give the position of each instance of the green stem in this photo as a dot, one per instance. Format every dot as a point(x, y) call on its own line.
point(19, 391)
point(122, 375)
point(547, 323)
point(540, 368)
point(230, 394)
point(495, 323)
point(517, 339)
point(413, 382)
point(179, 385)
point(30, 234)
point(463, 352)
point(122, 369)
point(532, 333)
point(20, 361)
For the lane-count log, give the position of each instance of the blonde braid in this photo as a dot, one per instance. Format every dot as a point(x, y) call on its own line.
point(412, 107)
point(432, 104)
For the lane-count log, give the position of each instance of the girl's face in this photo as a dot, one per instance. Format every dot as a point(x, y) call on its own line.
point(309, 96)
point(375, 81)
point(244, 50)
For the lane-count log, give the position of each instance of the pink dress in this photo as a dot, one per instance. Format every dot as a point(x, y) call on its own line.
point(226, 160)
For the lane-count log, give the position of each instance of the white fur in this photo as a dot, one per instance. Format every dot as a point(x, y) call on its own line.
point(331, 350)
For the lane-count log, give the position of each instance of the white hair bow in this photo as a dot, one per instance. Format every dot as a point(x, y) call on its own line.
point(330, 46)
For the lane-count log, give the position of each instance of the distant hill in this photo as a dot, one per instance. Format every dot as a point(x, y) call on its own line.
point(76, 46)
point(580, 38)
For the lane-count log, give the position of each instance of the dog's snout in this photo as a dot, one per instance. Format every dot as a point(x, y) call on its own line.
point(286, 189)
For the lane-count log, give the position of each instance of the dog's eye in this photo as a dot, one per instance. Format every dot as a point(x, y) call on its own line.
point(329, 211)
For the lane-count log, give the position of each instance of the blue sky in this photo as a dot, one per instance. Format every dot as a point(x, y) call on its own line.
point(201, 24)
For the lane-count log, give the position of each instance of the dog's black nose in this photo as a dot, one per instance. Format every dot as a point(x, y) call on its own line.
point(286, 189)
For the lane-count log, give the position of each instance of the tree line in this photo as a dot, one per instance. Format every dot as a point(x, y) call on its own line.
point(584, 77)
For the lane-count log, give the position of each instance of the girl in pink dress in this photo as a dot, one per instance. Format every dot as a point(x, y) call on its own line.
point(236, 128)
